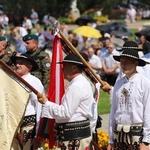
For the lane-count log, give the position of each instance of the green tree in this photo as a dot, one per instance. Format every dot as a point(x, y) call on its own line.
point(19, 8)
point(145, 2)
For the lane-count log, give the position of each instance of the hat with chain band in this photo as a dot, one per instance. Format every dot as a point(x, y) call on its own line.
point(131, 49)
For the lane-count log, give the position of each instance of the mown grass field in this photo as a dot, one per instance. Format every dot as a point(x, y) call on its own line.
point(104, 103)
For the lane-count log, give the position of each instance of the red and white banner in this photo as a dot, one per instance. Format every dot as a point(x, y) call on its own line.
point(55, 91)
point(56, 88)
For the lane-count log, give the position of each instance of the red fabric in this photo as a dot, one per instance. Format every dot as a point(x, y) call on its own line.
point(55, 92)
point(56, 87)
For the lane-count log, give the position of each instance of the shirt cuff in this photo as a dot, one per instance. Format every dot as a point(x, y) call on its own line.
point(47, 110)
point(146, 139)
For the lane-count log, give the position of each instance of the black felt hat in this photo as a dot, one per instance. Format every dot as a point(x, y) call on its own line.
point(131, 45)
point(72, 58)
point(26, 57)
point(131, 49)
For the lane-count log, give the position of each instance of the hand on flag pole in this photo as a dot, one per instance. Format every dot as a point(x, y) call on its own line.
point(42, 98)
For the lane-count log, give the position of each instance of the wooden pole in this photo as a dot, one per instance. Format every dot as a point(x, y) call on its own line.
point(95, 145)
point(5, 66)
point(82, 59)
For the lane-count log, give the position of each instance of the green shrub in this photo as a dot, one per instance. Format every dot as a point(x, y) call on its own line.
point(66, 20)
point(102, 19)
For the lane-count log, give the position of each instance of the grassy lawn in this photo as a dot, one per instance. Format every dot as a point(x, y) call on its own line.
point(133, 31)
point(104, 103)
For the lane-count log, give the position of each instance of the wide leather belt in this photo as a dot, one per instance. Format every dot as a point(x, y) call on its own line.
point(72, 130)
point(134, 129)
point(28, 120)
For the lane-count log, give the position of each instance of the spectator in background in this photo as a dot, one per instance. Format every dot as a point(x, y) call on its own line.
point(34, 17)
point(73, 39)
point(104, 50)
point(94, 61)
point(5, 20)
point(146, 13)
point(95, 44)
point(5, 54)
point(27, 24)
point(2, 30)
point(99, 49)
point(15, 39)
point(64, 29)
point(131, 13)
point(144, 44)
point(39, 33)
point(21, 30)
point(77, 40)
point(110, 66)
point(46, 21)
point(139, 14)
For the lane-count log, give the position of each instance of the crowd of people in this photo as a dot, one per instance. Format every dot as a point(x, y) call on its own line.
point(120, 67)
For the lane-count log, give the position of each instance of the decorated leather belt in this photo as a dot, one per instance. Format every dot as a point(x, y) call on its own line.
point(72, 130)
point(133, 129)
point(28, 120)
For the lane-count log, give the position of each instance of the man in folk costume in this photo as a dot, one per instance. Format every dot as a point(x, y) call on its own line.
point(74, 117)
point(129, 124)
point(27, 133)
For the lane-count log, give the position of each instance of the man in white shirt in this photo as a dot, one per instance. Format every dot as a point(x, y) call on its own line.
point(131, 12)
point(110, 66)
point(22, 31)
point(75, 116)
point(29, 126)
point(27, 24)
point(94, 60)
point(129, 123)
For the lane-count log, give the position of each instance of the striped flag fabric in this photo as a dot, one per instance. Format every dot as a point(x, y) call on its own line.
point(56, 88)
point(55, 92)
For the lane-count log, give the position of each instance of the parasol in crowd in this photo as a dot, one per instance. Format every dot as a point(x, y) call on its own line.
point(108, 27)
point(120, 31)
point(117, 41)
point(87, 31)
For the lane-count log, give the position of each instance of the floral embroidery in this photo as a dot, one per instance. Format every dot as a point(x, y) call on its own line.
point(124, 92)
point(125, 96)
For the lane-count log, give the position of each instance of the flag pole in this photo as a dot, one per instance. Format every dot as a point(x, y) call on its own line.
point(82, 59)
point(21, 80)
point(54, 28)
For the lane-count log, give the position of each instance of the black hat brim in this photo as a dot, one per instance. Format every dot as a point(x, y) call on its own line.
point(70, 61)
point(34, 64)
point(140, 61)
point(79, 64)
